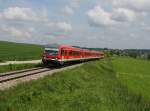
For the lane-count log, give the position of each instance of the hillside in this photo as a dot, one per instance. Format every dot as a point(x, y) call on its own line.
point(18, 51)
point(105, 85)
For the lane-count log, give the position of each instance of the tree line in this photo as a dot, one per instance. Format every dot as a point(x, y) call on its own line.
point(134, 53)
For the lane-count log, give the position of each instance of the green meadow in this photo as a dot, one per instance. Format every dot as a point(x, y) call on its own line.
point(135, 74)
point(15, 67)
point(111, 84)
point(18, 51)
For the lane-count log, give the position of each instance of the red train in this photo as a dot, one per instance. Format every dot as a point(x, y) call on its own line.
point(62, 54)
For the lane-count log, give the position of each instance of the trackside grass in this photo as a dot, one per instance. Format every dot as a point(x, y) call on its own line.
point(15, 67)
point(18, 51)
point(91, 87)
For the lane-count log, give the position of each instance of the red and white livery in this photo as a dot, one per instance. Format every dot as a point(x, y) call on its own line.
point(64, 54)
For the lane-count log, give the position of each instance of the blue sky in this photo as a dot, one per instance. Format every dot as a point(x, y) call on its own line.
point(90, 23)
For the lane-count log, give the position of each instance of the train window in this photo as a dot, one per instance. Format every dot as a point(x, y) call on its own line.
point(52, 52)
point(70, 53)
point(74, 53)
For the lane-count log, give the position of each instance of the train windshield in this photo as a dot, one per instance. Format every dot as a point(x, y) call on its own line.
point(52, 52)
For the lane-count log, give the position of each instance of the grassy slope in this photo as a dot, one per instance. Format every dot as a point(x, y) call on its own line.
point(135, 74)
point(16, 51)
point(92, 87)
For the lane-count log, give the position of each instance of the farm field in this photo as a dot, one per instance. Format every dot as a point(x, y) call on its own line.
point(95, 86)
point(17, 51)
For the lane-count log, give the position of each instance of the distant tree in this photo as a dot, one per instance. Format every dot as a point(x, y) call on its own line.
point(148, 56)
point(134, 55)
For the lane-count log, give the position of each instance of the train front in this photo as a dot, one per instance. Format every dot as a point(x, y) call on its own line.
point(51, 56)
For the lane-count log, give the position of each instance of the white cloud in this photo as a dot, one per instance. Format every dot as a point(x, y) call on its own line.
point(68, 11)
point(141, 5)
point(99, 16)
point(60, 26)
point(19, 13)
point(16, 32)
point(75, 3)
point(122, 14)
point(70, 8)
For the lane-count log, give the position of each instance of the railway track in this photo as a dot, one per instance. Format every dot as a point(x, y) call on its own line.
point(20, 74)
point(10, 79)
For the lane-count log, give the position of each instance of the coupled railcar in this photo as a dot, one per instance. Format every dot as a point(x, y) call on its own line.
point(65, 54)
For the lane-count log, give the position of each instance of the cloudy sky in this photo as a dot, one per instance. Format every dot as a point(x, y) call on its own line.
point(90, 23)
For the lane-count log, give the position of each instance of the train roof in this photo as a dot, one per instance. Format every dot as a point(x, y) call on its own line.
point(69, 47)
point(56, 46)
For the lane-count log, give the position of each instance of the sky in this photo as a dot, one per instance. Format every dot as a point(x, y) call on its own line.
point(122, 24)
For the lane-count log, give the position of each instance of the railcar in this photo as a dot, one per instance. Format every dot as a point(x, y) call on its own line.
point(61, 54)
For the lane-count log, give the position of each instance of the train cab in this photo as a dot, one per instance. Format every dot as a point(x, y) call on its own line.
point(51, 55)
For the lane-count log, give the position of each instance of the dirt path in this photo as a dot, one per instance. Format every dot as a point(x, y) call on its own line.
point(21, 62)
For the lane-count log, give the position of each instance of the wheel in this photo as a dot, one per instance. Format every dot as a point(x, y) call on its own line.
point(45, 62)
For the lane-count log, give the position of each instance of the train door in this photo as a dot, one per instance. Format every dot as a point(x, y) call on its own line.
point(62, 54)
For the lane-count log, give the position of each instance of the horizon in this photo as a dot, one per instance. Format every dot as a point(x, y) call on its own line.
point(75, 46)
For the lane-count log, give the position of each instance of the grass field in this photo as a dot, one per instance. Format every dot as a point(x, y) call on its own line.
point(16, 51)
point(15, 67)
point(135, 74)
point(95, 86)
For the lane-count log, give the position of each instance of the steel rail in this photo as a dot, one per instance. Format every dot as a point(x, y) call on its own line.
point(21, 74)
point(18, 72)
point(10, 76)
